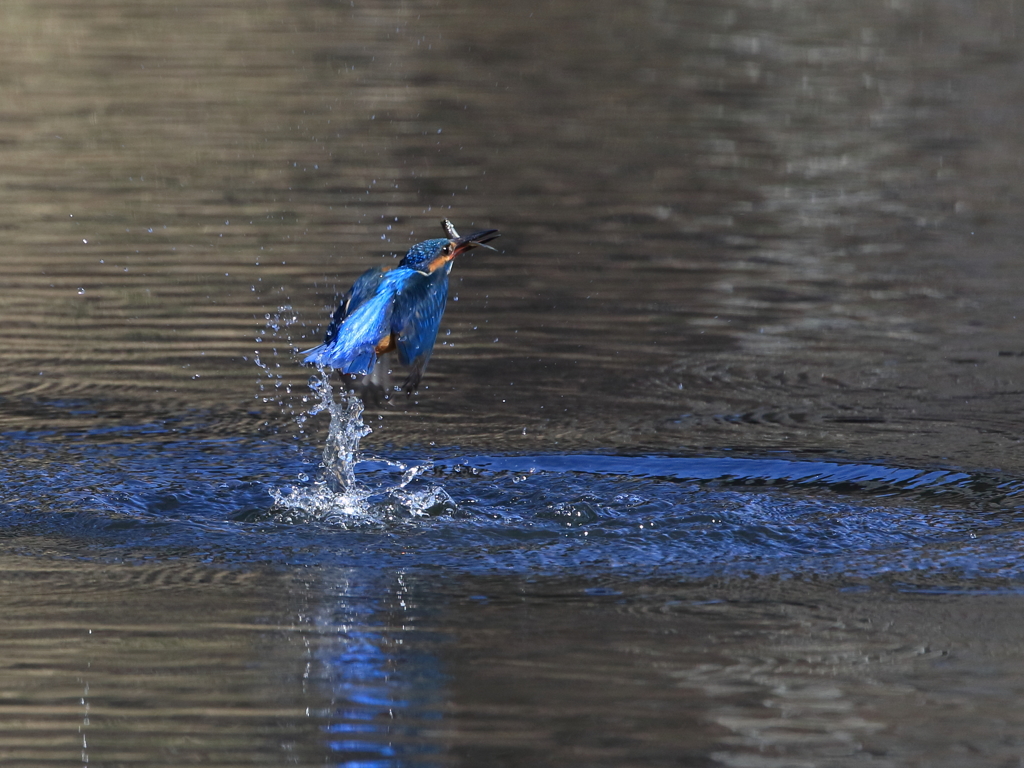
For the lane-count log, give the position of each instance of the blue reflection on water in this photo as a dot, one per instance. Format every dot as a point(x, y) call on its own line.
point(385, 686)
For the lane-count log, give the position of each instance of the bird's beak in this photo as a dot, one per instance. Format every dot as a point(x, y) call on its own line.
point(468, 242)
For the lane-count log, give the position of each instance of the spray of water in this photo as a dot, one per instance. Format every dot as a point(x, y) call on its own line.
point(335, 495)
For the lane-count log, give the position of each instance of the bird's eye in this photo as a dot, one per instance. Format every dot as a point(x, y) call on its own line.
point(448, 249)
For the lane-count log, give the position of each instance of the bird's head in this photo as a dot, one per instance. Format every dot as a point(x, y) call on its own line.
point(431, 255)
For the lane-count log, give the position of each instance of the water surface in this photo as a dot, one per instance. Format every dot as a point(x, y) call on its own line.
point(717, 463)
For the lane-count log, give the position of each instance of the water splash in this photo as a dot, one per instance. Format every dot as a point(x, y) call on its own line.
point(272, 385)
point(336, 496)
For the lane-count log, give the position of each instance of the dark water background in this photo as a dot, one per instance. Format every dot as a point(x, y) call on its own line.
point(724, 448)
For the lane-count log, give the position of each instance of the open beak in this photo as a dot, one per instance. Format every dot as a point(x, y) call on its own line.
point(465, 243)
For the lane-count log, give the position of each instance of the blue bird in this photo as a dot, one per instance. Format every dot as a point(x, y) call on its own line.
point(401, 308)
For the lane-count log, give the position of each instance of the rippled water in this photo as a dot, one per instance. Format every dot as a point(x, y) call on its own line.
point(716, 463)
point(550, 514)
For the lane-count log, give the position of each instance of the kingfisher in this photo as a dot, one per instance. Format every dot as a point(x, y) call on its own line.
point(400, 308)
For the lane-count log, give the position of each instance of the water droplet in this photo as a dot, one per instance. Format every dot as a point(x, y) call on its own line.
point(81, 291)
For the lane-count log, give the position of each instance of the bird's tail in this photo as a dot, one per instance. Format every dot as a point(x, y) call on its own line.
point(342, 357)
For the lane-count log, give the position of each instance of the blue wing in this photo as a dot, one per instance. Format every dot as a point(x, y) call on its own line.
point(417, 316)
point(362, 289)
point(358, 324)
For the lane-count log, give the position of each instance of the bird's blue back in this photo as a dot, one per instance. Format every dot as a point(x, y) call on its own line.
point(361, 321)
point(363, 288)
point(404, 302)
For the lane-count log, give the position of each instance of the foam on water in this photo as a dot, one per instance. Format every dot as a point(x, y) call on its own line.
point(335, 495)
